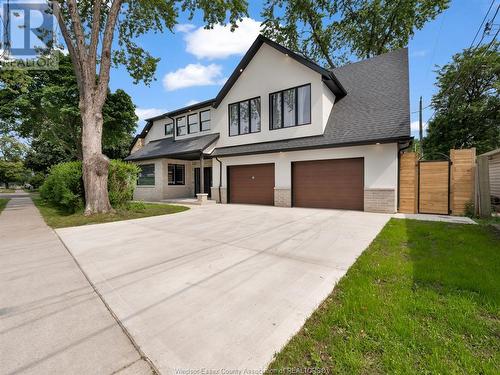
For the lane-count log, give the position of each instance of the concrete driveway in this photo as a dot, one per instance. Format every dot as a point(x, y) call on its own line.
point(222, 286)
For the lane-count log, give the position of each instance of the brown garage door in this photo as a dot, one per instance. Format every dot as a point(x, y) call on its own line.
point(328, 183)
point(251, 184)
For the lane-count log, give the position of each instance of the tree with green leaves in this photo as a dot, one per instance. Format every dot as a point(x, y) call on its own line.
point(11, 149)
point(98, 33)
point(331, 31)
point(11, 171)
point(42, 105)
point(467, 105)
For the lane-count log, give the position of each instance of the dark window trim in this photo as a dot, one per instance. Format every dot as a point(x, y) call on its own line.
point(196, 116)
point(201, 122)
point(177, 126)
point(239, 119)
point(154, 174)
point(281, 92)
point(175, 166)
point(165, 127)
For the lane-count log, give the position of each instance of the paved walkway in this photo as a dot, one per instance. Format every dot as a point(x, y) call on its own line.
point(436, 217)
point(51, 320)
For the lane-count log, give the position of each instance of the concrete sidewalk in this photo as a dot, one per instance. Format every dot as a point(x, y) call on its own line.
point(51, 319)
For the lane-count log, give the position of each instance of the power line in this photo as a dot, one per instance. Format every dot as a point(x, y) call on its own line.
point(481, 25)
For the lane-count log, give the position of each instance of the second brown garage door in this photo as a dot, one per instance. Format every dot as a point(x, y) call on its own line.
point(251, 184)
point(335, 183)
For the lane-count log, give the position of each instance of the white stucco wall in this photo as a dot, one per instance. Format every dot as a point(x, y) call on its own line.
point(157, 131)
point(380, 162)
point(271, 71)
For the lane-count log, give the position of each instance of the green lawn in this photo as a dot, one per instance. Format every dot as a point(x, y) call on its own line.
point(56, 218)
point(3, 203)
point(424, 298)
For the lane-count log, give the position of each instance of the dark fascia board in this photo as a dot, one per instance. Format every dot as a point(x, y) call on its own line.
point(328, 77)
point(334, 145)
point(132, 144)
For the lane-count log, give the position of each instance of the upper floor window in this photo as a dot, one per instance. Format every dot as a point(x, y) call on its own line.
point(290, 107)
point(181, 125)
point(146, 174)
point(169, 129)
point(205, 120)
point(176, 174)
point(193, 126)
point(244, 117)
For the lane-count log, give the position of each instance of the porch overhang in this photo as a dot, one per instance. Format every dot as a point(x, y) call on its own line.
point(184, 149)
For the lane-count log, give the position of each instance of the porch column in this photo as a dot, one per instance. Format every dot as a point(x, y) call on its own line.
point(202, 174)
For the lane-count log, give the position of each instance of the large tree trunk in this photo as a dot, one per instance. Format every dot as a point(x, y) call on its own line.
point(95, 164)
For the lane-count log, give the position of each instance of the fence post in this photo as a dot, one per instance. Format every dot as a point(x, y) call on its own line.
point(408, 183)
point(462, 179)
point(483, 187)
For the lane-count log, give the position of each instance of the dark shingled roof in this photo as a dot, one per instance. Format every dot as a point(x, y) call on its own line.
point(189, 148)
point(375, 109)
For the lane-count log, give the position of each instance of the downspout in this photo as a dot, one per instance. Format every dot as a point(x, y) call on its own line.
point(220, 178)
point(399, 172)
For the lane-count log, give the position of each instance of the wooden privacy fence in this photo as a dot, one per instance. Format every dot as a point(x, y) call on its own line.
point(439, 187)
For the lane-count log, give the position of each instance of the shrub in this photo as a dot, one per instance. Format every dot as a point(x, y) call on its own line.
point(37, 180)
point(64, 187)
point(122, 179)
point(470, 210)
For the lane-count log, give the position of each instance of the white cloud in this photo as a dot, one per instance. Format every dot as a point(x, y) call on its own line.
point(220, 42)
point(193, 75)
point(415, 128)
point(420, 53)
point(184, 27)
point(191, 102)
point(145, 113)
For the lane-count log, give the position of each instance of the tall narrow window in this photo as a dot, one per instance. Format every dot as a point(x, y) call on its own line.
point(169, 129)
point(290, 107)
point(146, 174)
point(244, 117)
point(176, 174)
point(205, 120)
point(276, 111)
point(255, 115)
point(193, 126)
point(181, 126)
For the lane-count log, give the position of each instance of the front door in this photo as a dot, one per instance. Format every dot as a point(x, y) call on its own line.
point(207, 181)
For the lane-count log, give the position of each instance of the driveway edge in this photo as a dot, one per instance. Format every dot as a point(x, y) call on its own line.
point(115, 317)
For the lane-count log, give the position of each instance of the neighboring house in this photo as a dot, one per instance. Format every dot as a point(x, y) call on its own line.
point(494, 173)
point(284, 131)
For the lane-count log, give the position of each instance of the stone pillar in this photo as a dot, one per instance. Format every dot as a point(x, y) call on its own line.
point(215, 194)
point(282, 197)
point(380, 200)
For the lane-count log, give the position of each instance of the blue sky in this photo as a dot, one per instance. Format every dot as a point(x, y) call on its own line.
point(192, 52)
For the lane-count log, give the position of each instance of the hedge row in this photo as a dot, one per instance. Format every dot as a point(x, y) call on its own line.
point(64, 185)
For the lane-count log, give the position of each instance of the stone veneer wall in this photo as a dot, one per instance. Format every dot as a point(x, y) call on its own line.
point(380, 200)
point(282, 197)
point(215, 194)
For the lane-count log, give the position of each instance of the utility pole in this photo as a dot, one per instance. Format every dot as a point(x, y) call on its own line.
point(420, 125)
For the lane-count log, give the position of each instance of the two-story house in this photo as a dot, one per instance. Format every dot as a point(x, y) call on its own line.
point(284, 131)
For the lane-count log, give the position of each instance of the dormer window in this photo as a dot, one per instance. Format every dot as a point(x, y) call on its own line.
point(193, 126)
point(291, 107)
point(181, 125)
point(244, 117)
point(169, 129)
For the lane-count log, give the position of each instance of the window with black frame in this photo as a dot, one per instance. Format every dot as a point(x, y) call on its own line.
point(169, 128)
point(181, 125)
point(244, 117)
point(176, 174)
point(205, 120)
point(146, 174)
point(290, 107)
point(193, 126)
